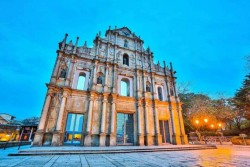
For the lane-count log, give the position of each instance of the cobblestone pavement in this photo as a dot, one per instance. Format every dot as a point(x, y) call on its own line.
point(223, 156)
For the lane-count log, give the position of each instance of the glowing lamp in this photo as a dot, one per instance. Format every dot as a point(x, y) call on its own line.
point(206, 120)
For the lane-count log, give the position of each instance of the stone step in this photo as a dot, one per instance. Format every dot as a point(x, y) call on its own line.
point(107, 150)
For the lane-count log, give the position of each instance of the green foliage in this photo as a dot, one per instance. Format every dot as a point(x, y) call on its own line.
point(242, 99)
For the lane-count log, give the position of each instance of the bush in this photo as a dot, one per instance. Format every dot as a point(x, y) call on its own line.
point(208, 133)
point(237, 140)
point(231, 133)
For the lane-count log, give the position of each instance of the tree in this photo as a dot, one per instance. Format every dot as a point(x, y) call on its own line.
point(183, 87)
point(242, 99)
point(196, 107)
point(200, 107)
point(248, 62)
point(225, 111)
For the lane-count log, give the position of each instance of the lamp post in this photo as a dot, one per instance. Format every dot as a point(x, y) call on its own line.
point(203, 125)
point(197, 132)
point(219, 132)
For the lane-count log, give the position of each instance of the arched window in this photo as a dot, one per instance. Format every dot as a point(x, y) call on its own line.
point(159, 90)
point(148, 87)
point(126, 59)
point(81, 81)
point(125, 87)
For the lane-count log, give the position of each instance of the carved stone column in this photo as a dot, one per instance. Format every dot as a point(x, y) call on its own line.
point(175, 123)
point(45, 112)
point(140, 133)
point(103, 121)
point(184, 139)
point(106, 78)
point(114, 79)
point(56, 68)
point(39, 133)
point(87, 138)
point(138, 84)
point(158, 136)
point(69, 74)
point(148, 136)
point(58, 134)
point(112, 141)
point(94, 76)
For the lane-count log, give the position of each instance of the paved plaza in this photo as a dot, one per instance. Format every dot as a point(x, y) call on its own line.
point(223, 156)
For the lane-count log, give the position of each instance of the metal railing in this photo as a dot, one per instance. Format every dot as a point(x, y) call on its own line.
point(5, 145)
point(210, 139)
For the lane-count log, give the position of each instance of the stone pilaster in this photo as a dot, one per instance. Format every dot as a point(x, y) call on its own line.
point(106, 78)
point(56, 68)
point(102, 139)
point(184, 138)
point(148, 140)
point(158, 136)
point(41, 127)
point(140, 134)
point(57, 138)
point(94, 76)
point(87, 137)
point(112, 138)
point(114, 79)
point(70, 72)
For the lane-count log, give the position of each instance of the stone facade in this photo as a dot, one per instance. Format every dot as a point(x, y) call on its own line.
point(150, 105)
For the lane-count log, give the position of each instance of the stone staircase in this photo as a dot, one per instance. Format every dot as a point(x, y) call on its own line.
point(106, 150)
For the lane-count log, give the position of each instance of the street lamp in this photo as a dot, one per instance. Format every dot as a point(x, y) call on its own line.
point(212, 126)
point(205, 120)
point(197, 122)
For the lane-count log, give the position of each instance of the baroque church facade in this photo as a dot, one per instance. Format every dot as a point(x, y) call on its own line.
point(110, 94)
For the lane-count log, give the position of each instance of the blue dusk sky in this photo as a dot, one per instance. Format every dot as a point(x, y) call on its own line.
point(205, 40)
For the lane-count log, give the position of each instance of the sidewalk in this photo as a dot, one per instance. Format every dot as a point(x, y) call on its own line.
point(12, 150)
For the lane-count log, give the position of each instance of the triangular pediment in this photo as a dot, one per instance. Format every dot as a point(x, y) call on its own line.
point(125, 31)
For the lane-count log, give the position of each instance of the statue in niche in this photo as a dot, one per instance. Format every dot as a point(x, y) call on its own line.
point(125, 43)
point(148, 88)
point(171, 92)
point(160, 94)
point(99, 80)
point(63, 73)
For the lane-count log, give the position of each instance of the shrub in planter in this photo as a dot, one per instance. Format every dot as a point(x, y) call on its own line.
point(237, 140)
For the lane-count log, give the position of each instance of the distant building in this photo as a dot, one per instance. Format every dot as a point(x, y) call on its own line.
point(110, 94)
point(12, 130)
point(6, 119)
